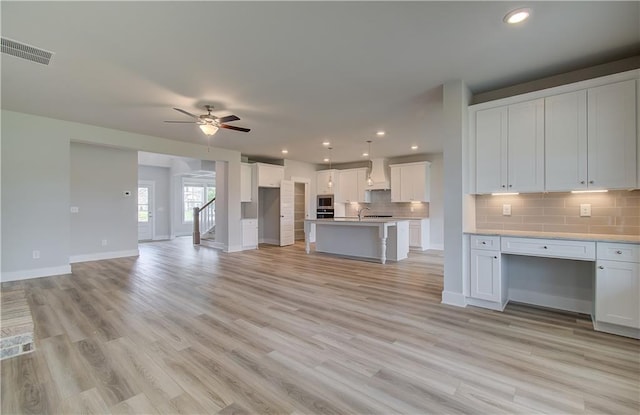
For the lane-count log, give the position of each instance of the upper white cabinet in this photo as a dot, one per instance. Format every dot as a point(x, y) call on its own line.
point(246, 182)
point(510, 148)
point(611, 136)
point(590, 138)
point(322, 182)
point(410, 182)
point(269, 175)
point(353, 186)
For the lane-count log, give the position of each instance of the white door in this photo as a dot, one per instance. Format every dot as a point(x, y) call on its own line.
point(491, 150)
point(618, 293)
point(145, 211)
point(287, 231)
point(525, 147)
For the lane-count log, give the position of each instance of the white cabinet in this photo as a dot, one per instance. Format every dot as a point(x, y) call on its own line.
point(249, 233)
point(611, 131)
point(246, 182)
point(590, 138)
point(419, 234)
point(269, 175)
point(618, 285)
point(485, 275)
point(510, 148)
point(353, 186)
point(323, 178)
point(410, 182)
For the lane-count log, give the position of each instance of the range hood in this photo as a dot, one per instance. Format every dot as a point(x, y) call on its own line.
point(379, 175)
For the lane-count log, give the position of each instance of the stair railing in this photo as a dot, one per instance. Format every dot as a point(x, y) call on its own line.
point(203, 218)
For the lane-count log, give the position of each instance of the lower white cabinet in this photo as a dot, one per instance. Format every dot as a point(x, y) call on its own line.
point(419, 234)
point(485, 275)
point(618, 285)
point(249, 233)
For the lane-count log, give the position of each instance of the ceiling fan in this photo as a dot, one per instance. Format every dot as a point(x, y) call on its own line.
point(209, 123)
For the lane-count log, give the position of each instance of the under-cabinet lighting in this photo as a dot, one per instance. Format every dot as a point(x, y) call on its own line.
point(415, 202)
point(590, 191)
point(505, 194)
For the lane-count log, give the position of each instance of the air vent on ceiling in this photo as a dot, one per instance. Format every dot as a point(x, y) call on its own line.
point(20, 50)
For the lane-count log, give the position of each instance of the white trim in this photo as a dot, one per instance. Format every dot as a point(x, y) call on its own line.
point(162, 238)
point(451, 298)
point(35, 273)
point(491, 305)
point(561, 89)
point(615, 329)
point(103, 255)
point(436, 247)
point(151, 202)
point(233, 248)
point(269, 241)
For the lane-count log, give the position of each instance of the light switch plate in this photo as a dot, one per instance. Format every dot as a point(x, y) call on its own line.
point(75, 209)
point(585, 209)
point(506, 210)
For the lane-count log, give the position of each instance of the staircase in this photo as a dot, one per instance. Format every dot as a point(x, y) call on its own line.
point(204, 222)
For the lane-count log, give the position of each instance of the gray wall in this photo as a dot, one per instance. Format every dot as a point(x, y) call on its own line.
point(161, 177)
point(99, 177)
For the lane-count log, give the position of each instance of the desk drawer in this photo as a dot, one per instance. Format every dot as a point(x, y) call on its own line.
point(619, 252)
point(552, 248)
point(488, 243)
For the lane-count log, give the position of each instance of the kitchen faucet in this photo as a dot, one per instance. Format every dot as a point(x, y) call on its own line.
point(360, 212)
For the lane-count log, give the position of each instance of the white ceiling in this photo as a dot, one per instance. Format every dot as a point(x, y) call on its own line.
point(296, 73)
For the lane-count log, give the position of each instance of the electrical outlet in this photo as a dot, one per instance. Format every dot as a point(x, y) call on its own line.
point(104, 242)
point(506, 210)
point(36, 254)
point(75, 209)
point(585, 209)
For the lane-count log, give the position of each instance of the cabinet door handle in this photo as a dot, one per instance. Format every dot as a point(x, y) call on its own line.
point(510, 185)
point(484, 242)
point(619, 252)
point(590, 181)
point(582, 182)
point(495, 257)
point(545, 247)
point(600, 267)
point(504, 186)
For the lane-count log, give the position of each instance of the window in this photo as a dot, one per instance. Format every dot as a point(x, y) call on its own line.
point(143, 204)
point(195, 195)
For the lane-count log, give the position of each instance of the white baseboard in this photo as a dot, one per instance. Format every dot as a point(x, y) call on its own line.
point(162, 238)
point(103, 255)
point(456, 299)
point(269, 241)
point(35, 273)
point(615, 329)
point(491, 305)
point(439, 247)
point(233, 248)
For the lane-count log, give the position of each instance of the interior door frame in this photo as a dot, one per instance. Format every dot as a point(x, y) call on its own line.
point(308, 207)
point(152, 211)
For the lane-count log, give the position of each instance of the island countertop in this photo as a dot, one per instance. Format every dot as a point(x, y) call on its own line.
point(355, 221)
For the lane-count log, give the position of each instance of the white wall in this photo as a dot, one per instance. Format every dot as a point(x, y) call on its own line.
point(99, 176)
point(436, 205)
point(36, 187)
point(162, 198)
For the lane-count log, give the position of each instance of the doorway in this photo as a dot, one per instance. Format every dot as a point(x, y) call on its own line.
point(146, 194)
point(299, 211)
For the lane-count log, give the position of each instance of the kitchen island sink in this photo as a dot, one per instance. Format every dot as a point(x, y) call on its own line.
point(369, 239)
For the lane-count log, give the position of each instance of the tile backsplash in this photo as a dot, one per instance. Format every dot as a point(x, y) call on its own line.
point(381, 204)
point(615, 212)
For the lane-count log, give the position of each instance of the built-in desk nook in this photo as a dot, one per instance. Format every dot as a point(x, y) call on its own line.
point(596, 275)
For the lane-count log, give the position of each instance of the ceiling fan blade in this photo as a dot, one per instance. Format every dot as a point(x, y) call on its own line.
point(233, 127)
point(183, 122)
point(187, 113)
point(228, 118)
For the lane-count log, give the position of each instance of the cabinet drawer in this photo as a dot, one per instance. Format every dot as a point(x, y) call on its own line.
point(552, 248)
point(618, 252)
point(489, 243)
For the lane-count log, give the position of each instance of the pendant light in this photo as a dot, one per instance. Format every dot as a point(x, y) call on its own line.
point(369, 179)
point(330, 184)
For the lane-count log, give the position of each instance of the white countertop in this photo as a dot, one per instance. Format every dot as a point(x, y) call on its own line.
point(560, 235)
point(355, 221)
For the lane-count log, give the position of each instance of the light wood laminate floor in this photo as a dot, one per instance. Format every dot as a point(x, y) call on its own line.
point(185, 329)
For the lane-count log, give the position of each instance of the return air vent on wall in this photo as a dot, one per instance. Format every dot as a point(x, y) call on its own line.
point(20, 50)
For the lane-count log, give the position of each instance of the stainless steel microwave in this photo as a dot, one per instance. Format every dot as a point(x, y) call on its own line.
point(325, 201)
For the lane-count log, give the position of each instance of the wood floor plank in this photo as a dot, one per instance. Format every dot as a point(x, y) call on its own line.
point(184, 329)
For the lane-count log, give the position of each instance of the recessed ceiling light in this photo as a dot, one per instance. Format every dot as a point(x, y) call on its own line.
point(365, 154)
point(326, 143)
point(517, 16)
point(285, 151)
point(326, 160)
point(380, 133)
point(414, 147)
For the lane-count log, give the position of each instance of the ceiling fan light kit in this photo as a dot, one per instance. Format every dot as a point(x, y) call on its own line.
point(209, 123)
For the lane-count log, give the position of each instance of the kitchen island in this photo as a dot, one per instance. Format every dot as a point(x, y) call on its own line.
point(370, 239)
